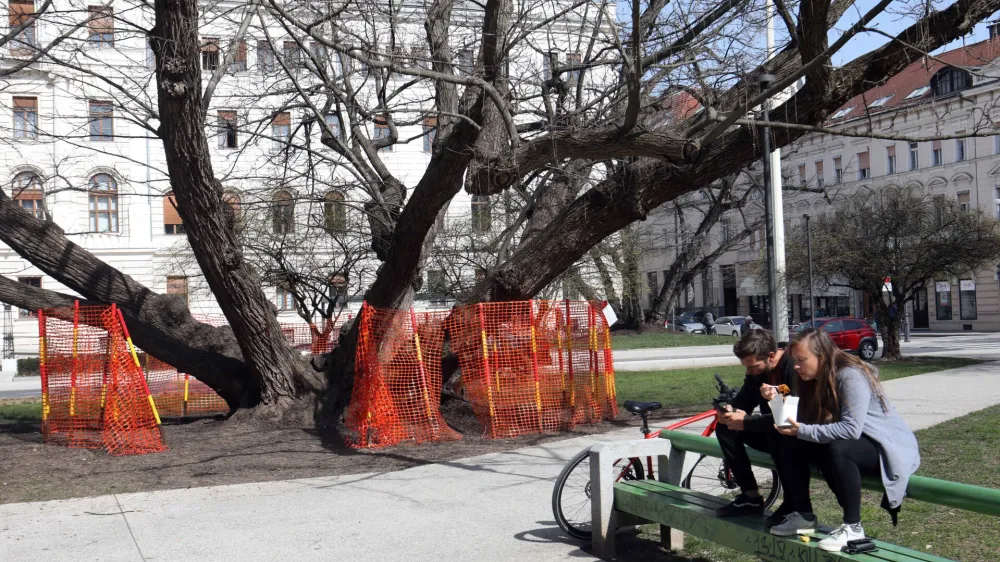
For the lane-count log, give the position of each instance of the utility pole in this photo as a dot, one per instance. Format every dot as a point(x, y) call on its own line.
point(777, 293)
point(809, 254)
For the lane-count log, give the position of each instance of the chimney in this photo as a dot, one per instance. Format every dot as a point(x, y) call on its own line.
point(994, 28)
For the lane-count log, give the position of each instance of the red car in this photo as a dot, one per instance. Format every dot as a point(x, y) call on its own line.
point(850, 334)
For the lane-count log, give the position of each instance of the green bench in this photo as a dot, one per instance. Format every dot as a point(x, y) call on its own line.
point(678, 510)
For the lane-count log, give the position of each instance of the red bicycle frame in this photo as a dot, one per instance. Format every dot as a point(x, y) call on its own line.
point(683, 423)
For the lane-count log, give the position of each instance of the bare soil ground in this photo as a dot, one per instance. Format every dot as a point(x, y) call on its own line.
point(212, 452)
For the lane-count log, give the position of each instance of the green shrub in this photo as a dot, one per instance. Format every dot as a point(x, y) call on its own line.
point(28, 367)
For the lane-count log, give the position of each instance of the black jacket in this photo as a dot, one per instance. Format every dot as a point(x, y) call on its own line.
point(749, 396)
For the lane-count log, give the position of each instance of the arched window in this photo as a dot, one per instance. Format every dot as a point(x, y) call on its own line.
point(26, 190)
point(232, 201)
point(172, 223)
point(950, 81)
point(334, 212)
point(283, 212)
point(103, 203)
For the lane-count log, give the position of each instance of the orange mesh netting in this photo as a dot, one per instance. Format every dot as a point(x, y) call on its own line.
point(535, 366)
point(397, 386)
point(94, 394)
point(312, 338)
point(179, 395)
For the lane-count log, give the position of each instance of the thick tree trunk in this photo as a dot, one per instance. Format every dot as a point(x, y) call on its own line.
point(281, 380)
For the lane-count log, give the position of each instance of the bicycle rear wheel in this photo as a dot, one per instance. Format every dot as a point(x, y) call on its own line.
point(711, 476)
point(572, 492)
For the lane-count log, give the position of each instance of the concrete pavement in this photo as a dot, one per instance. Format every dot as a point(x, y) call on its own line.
point(492, 507)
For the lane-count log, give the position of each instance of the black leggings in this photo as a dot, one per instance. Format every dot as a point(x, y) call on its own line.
point(843, 462)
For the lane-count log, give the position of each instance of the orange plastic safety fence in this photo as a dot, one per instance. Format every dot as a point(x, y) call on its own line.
point(313, 338)
point(179, 395)
point(397, 384)
point(93, 391)
point(535, 366)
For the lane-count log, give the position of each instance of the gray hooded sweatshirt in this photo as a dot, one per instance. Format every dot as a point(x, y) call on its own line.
point(861, 414)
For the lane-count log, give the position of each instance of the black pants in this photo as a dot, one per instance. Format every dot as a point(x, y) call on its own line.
point(733, 451)
point(842, 462)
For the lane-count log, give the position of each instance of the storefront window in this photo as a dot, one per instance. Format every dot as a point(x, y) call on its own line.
point(942, 300)
point(967, 299)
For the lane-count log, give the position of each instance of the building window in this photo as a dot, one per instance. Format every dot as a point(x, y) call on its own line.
point(25, 118)
point(103, 203)
point(292, 54)
point(654, 287)
point(890, 159)
point(726, 232)
point(35, 282)
point(574, 59)
point(283, 213)
point(960, 148)
point(150, 55)
point(481, 213)
point(430, 133)
point(819, 174)
point(281, 129)
point(342, 64)
point(318, 54)
point(22, 12)
point(464, 62)
point(334, 212)
point(284, 299)
point(332, 123)
point(549, 64)
point(967, 299)
point(210, 53)
point(937, 157)
point(178, 286)
point(950, 80)
point(265, 57)
point(101, 121)
point(227, 130)
point(382, 131)
point(914, 156)
point(996, 144)
point(964, 202)
point(27, 193)
point(436, 282)
point(232, 207)
point(101, 27)
point(239, 63)
point(942, 300)
point(172, 223)
point(864, 165)
point(838, 170)
point(802, 174)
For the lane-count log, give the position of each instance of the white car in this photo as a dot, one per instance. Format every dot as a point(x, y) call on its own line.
point(730, 325)
point(685, 327)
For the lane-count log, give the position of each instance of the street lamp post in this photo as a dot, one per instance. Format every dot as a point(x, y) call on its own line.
point(779, 325)
point(809, 255)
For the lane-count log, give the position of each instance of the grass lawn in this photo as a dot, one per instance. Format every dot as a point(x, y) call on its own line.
point(692, 390)
point(660, 338)
point(21, 410)
point(966, 450)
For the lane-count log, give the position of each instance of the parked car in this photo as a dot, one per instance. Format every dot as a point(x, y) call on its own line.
point(850, 334)
point(685, 326)
point(730, 325)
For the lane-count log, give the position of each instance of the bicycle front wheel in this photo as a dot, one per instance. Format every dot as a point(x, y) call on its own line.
point(711, 476)
point(572, 492)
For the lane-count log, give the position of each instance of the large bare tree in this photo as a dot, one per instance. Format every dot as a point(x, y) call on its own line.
point(584, 144)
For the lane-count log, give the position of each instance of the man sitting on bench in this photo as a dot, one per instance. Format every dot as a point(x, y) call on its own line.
point(765, 364)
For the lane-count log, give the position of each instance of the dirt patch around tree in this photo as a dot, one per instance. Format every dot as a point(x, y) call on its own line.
point(212, 452)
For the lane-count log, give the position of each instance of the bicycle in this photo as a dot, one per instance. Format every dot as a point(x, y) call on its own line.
point(708, 474)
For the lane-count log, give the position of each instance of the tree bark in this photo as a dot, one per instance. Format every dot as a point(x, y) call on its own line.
point(280, 379)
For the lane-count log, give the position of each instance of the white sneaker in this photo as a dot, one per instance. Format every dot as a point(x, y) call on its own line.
point(839, 537)
point(794, 524)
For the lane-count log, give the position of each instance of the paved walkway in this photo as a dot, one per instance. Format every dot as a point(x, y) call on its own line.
point(492, 507)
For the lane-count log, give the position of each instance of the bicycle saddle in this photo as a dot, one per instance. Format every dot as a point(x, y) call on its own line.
point(641, 408)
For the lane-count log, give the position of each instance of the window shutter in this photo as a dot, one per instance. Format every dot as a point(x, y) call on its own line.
point(170, 214)
point(863, 160)
point(229, 116)
point(101, 19)
point(210, 45)
point(19, 11)
point(241, 52)
point(890, 150)
point(26, 103)
point(819, 168)
point(283, 118)
point(936, 145)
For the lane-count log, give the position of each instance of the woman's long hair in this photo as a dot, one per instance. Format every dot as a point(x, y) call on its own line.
point(819, 401)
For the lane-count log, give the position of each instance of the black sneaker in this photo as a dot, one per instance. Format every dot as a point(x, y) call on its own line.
point(742, 505)
point(778, 516)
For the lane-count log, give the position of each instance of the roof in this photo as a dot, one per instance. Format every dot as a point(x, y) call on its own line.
point(911, 86)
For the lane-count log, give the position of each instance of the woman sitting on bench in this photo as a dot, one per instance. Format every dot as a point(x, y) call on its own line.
point(849, 429)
